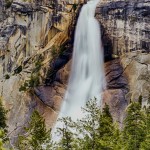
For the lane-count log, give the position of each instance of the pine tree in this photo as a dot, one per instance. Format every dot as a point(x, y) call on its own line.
point(134, 127)
point(67, 139)
point(145, 145)
point(95, 131)
point(36, 136)
point(88, 126)
point(106, 129)
point(83, 133)
point(117, 142)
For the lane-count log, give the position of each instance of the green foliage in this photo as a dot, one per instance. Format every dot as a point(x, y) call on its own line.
point(8, 3)
point(89, 126)
point(54, 52)
point(2, 116)
point(95, 131)
point(2, 133)
point(32, 82)
point(36, 135)
point(38, 64)
point(18, 70)
point(140, 100)
point(35, 76)
point(74, 7)
point(106, 129)
point(3, 126)
point(134, 127)
point(7, 76)
point(145, 145)
point(57, 51)
point(66, 142)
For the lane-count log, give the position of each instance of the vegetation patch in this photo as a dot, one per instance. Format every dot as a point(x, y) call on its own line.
point(7, 76)
point(18, 70)
point(8, 3)
point(95, 131)
point(35, 76)
point(36, 135)
point(57, 51)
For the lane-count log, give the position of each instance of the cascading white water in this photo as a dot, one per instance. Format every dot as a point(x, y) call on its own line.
point(87, 79)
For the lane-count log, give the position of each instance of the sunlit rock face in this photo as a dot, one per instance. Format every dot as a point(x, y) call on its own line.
point(126, 27)
point(35, 42)
point(126, 23)
point(137, 70)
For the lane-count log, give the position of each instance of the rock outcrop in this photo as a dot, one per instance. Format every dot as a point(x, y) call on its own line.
point(126, 23)
point(35, 42)
point(126, 30)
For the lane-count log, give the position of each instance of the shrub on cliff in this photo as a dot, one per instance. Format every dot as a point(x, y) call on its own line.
point(2, 133)
point(8, 3)
point(2, 116)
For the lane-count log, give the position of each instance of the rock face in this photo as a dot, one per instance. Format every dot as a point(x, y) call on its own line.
point(35, 42)
point(117, 88)
point(126, 27)
point(126, 23)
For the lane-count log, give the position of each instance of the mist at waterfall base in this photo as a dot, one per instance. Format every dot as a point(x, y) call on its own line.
point(87, 79)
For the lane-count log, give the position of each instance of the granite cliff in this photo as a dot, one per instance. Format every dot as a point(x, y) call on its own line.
point(126, 28)
point(36, 39)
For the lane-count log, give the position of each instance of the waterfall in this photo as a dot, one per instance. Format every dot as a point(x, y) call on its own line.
point(87, 79)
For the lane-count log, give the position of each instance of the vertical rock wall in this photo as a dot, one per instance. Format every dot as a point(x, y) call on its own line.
point(126, 29)
point(34, 43)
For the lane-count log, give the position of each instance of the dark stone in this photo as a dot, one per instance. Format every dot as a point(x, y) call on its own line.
point(117, 88)
point(23, 8)
point(107, 45)
point(114, 75)
point(44, 93)
point(8, 31)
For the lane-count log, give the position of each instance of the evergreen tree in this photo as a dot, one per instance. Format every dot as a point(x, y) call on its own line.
point(145, 145)
point(88, 126)
point(117, 142)
point(134, 127)
point(36, 136)
point(96, 131)
point(67, 139)
point(106, 129)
